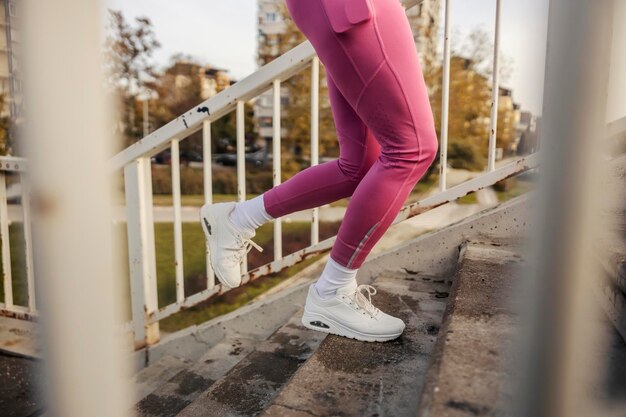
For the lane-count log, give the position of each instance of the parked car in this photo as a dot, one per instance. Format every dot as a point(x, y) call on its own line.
point(165, 157)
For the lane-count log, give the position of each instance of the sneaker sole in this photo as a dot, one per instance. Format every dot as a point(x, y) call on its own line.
point(332, 327)
point(206, 216)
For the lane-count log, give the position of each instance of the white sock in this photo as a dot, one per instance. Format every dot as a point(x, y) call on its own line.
point(250, 214)
point(333, 277)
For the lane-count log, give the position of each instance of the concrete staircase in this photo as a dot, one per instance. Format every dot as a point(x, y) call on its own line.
point(279, 368)
point(457, 290)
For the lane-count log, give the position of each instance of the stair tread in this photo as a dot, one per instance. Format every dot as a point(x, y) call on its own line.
point(248, 387)
point(470, 362)
point(184, 386)
point(152, 377)
point(352, 378)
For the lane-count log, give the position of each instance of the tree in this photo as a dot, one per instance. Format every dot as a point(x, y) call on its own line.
point(179, 89)
point(470, 102)
point(6, 128)
point(129, 64)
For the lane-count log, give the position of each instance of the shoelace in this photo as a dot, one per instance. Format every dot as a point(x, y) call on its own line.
point(365, 303)
point(246, 246)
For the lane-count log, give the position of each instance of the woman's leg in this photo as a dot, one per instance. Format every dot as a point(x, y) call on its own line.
point(319, 184)
point(331, 181)
point(375, 66)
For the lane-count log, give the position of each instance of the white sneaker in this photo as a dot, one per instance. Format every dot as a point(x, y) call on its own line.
point(227, 245)
point(351, 314)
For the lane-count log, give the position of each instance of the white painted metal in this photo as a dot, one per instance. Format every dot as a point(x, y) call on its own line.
point(217, 106)
point(495, 93)
point(561, 332)
point(445, 101)
point(146, 116)
point(178, 228)
point(207, 168)
point(80, 293)
point(276, 168)
point(5, 242)
point(28, 243)
point(315, 139)
point(141, 250)
point(13, 164)
point(241, 163)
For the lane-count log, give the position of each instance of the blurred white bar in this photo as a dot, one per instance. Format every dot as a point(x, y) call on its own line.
point(315, 139)
point(445, 101)
point(207, 168)
point(28, 243)
point(6, 248)
point(68, 142)
point(178, 228)
point(276, 168)
point(495, 93)
point(241, 164)
point(561, 341)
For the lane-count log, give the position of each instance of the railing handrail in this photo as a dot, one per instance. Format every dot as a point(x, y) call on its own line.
point(215, 107)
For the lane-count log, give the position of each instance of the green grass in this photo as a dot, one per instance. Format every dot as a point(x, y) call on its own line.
point(468, 199)
point(195, 200)
point(520, 188)
point(296, 235)
point(18, 266)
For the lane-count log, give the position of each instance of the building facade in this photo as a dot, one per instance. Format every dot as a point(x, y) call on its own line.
point(10, 79)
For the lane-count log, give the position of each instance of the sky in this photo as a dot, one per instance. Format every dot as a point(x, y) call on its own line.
point(223, 33)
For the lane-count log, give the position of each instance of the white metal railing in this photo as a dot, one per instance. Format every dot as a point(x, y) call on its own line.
point(16, 166)
point(135, 161)
point(136, 166)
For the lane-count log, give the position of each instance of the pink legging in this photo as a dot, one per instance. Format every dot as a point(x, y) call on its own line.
point(384, 124)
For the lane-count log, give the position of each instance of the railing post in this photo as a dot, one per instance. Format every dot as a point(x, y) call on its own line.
point(207, 167)
point(28, 244)
point(6, 248)
point(445, 101)
point(68, 140)
point(178, 226)
point(315, 138)
point(561, 340)
point(241, 164)
point(495, 93)
point(276, 171)
point(141, 256)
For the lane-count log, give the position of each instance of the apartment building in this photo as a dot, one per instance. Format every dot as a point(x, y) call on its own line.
point(10, 79)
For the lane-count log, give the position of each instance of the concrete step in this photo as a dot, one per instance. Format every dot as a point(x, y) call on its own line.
point(470, 366)
point(182, 387)
point(247, 388)
point(149, 379)
point(345, 377)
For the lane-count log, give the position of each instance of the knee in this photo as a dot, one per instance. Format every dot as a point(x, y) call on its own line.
point(429, 146)
point(356, 169)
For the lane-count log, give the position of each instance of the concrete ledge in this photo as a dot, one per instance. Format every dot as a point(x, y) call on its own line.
point(471, 363)
point(436, 253)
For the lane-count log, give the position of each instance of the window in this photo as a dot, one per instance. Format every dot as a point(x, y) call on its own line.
point(270, 17)
point(12, 11)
